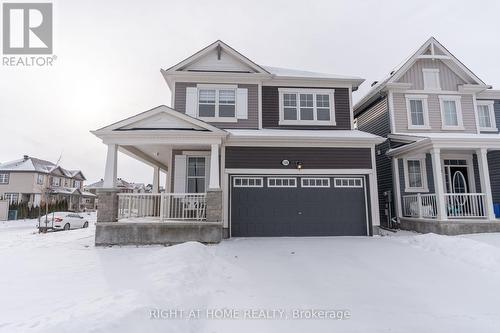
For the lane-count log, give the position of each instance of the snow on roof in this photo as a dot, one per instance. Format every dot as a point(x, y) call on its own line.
point(120, 183)
point(66, 190)
point(312, 134)
point(287, 72)
point(463, 136)
point(28, 163)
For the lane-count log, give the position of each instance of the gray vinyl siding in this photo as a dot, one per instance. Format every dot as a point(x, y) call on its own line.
point(430, 176)
point(311, 158)
point(376, 120)
point(271, 115)
point(401, 114)
point(253, 105)
point(448, 79)
point(494, 168)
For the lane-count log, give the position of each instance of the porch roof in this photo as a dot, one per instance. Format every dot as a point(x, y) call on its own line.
point(418, 142)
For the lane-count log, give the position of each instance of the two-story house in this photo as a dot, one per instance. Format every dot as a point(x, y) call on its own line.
point(248, 150)
point(438, 170)
point(34, 181)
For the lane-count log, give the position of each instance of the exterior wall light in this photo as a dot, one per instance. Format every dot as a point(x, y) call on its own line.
point(299, 165)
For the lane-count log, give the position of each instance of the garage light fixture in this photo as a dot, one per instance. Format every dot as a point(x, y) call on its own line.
point(299, 165)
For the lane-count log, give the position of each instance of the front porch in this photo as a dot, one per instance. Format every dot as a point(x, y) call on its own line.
point(443, 186)
point(188, 153)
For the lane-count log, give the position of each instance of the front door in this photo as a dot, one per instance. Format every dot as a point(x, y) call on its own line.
point(457, 176)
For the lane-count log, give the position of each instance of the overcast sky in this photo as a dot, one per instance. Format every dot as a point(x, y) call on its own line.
point(109, 55)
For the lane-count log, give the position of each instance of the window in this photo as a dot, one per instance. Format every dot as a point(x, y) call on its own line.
point(4, 178)
point(315, 182)
point(306, 106)
point(77, 184)
point(40, 179)
point(281, 182)
point(56, 181)
point(349, 182)
point(415, 175)
point(248, 182)
point(418, 116)
point(431, 79)
point(11, 197)
point(486, 116)
point(217, 103)
point(196, 174)
point(451, 112)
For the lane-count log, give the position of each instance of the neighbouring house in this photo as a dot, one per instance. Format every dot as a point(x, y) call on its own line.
point(439, 170)
point(122, 186)
point(35, 182)
point(248, 150)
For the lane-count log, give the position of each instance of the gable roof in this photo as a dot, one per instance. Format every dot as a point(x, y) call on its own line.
point(216, 46)
point(202, 62)
point(32, 164)
point(431, 49)
point(156, 117)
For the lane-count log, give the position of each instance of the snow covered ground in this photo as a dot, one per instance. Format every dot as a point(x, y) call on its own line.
point(59, 282)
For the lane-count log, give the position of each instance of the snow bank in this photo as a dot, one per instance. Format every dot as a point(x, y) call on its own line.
point(459, 248)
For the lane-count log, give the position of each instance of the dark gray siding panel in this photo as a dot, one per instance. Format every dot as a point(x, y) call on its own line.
point(311, 158)
point(253, 105)
point(375, 120)
point(496, 107)
point(270, 109)
point(494, 168)
point(477, 179)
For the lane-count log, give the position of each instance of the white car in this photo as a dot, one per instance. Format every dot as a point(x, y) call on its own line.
point(65, 221)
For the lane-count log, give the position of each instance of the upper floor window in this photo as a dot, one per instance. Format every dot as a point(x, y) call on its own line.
point(431, 79)
point(77, 184)
point(4, 178)
point(217, 103)
point(418, 114)
point(451, 112)
point(306, 106)
point(486, 116)
point(56, 181)
point(40, 179)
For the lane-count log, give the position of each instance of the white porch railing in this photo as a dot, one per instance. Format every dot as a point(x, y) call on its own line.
point(458, 205)
point(164, 206)
point(420, 205)
point(463, 205)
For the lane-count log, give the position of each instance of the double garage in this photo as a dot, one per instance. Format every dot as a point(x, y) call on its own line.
point(305, 205)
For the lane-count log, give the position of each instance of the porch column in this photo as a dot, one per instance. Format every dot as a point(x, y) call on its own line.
point(156, 180)
point(438, 184)
point(111, 166)
point(214, 182)
point(484, 175)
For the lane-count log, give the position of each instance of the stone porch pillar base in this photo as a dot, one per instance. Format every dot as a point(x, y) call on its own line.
point(214, 205)
point(107, 205)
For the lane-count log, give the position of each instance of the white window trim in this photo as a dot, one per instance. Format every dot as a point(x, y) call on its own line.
point(425, 108)
point(261, 179)
point(5, 176)
point(217, 87)
point(348, 178)
point(315, 179)
point(297, 91)
point(205, 176)
point(40, 179)
point(431, 70)
point(423, 168)
point(458, 105)
point(53, 182)
point(491, 109)
point(288, 186)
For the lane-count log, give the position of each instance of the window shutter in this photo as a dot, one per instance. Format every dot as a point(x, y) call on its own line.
point(180, 174)
point(191, 101)
point(242, 103)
